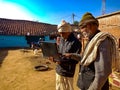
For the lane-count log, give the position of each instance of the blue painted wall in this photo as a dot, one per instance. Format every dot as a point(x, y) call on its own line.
point(19, 41)
point(13, 41)
point(47, 38)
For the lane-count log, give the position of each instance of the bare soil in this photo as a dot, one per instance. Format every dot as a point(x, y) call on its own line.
point(17, 71)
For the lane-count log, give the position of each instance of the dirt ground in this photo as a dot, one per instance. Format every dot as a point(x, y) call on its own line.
point(17, 71)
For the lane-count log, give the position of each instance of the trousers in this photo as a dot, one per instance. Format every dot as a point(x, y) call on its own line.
point(64, 83)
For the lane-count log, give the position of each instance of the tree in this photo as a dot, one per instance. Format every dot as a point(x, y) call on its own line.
point(76, 23)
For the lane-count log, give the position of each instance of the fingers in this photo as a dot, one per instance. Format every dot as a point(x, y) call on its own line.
point(67, 55)
point(51, 59)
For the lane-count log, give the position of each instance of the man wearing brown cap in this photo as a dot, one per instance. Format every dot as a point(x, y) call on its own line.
point(65, 67)
point(96, 63)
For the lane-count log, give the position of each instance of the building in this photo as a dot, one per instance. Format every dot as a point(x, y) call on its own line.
point(111, 23)
point(20, 33)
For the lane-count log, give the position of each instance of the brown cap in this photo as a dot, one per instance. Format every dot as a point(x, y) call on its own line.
point(88, 18)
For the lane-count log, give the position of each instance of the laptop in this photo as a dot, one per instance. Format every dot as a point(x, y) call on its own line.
point(49, 49)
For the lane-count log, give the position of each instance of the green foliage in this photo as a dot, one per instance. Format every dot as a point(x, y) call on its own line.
point(76, 23)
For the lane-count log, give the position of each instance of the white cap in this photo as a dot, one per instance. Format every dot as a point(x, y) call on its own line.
point(64, 27)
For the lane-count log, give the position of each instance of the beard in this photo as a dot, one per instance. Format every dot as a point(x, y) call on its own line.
point(87, 33)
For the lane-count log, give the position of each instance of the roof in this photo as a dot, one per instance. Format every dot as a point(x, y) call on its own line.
point(107, 15)
point(25, 27)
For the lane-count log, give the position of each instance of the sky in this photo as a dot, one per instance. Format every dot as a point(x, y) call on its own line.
point(53, 11)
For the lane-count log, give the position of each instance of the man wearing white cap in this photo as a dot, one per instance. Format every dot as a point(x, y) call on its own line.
point(65, 68)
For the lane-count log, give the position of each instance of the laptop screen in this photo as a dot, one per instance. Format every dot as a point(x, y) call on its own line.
point(49, 49)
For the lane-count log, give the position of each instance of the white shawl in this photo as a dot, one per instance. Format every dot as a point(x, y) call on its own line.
point(90, 52)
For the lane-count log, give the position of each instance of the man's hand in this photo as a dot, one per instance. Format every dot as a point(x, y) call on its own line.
point(51, 59)
point(68, 55)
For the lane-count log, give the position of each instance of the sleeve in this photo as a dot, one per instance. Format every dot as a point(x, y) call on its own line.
point(76, 56)
point(102, 65)
point(76, 48)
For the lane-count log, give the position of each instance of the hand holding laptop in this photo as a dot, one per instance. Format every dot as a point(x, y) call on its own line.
point(53, 60)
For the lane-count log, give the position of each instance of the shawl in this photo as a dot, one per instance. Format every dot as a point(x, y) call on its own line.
point(90, 52)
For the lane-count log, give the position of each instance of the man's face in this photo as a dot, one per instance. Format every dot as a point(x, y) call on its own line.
point(64, 34)
point(86, 31)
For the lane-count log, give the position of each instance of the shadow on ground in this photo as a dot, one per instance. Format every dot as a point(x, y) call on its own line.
point(4, 53)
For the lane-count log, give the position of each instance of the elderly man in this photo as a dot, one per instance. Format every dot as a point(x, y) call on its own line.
point(96, 63)
point(65, 67)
